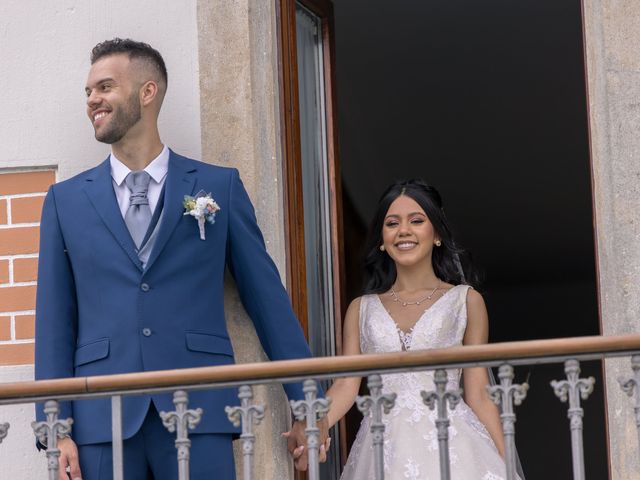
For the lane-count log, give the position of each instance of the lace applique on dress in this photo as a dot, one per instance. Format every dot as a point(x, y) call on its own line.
point(412, 470)
point(411, 443)
point(405, 338)
point(492, 476)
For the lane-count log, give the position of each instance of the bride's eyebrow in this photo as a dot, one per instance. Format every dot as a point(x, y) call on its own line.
point(395, 216)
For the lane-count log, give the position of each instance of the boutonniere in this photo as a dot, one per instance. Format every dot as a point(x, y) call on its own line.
point(202, 207)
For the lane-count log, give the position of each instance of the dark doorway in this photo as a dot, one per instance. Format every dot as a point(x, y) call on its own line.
point(485, 100)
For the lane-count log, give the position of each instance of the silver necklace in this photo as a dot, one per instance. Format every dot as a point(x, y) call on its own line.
point(397, 299)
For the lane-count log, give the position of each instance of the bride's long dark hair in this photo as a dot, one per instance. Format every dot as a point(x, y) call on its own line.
point(451, 263)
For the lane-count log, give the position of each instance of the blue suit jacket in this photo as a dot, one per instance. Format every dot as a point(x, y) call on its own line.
point(98, 312)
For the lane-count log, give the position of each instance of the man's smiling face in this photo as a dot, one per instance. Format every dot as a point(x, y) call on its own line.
point(113, 103)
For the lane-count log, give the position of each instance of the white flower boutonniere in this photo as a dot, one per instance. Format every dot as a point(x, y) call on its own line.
point(202, 207)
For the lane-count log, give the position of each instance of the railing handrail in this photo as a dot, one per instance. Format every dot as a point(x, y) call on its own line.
point(520, 352)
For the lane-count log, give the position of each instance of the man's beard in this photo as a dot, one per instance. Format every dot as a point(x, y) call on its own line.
point(121, 121)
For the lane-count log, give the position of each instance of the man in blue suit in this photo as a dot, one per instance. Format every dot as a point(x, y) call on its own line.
point(128, 283)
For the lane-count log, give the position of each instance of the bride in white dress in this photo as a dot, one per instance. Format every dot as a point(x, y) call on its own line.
point(416, 299)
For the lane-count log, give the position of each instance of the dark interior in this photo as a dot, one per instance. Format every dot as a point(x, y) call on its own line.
point(486, 101)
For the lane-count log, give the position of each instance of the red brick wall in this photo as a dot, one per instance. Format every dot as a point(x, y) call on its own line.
point(21, 197)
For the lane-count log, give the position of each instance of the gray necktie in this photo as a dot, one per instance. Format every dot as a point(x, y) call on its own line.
point(138, 215)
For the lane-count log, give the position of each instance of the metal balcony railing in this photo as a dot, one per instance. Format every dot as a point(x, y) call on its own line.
point(506, 394)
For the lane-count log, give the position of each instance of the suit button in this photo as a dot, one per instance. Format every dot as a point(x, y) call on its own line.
point(146, 332)
point(144, 287)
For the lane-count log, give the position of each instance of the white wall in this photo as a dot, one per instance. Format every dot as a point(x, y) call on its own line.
point(44, 60)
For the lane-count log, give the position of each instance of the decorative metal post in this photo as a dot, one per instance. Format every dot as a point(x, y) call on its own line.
point(628, 385)
point(48, 433)
point(573, 389)
point(376, 403)
point(247, 415)
point(439, 398)
point(4, 431)
point(116, 437)
point(180, 421)
point(506, 395)
point(312, 409)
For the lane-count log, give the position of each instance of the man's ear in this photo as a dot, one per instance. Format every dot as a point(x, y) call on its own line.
point(148, 92)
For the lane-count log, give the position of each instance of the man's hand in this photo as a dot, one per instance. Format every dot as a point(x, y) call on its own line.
point(297, 443)
point(68, 458)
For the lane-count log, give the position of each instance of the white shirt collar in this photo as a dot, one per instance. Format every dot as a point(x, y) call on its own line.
point(157, 169)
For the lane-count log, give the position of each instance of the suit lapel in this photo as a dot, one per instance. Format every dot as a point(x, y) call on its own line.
point(99, 189)
point(180, 181)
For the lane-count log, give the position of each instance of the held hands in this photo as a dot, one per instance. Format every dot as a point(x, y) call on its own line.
point(297, 443)
point(68, 458)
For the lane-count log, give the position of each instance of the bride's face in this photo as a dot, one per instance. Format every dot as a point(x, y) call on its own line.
point(407, 234)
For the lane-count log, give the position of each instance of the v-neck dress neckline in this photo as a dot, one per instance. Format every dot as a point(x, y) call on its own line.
point(406, 337)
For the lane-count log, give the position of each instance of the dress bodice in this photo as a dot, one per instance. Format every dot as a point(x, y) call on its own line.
point(441, 325)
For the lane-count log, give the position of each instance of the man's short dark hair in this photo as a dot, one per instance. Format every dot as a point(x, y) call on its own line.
point(135, 50)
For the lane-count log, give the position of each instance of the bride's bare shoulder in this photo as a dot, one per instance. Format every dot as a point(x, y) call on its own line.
point(351, 329)
point(474, 298)
point(354, 306)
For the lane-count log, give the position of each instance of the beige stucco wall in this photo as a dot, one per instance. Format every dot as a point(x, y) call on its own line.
point(612, 32)
point(239, 116)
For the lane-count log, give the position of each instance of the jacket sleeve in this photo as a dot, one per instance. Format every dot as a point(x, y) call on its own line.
point(261, 290)
point(56, 306)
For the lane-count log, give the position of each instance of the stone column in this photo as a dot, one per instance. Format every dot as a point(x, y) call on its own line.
point(612, 36)
point(240, 128)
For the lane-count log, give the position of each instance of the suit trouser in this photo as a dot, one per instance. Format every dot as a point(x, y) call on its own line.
point(151, 455)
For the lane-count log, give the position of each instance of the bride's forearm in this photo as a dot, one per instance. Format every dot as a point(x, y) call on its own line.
point(488, 414)
point(343, 394)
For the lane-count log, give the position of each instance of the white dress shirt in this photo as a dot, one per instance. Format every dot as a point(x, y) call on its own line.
point(157, 170)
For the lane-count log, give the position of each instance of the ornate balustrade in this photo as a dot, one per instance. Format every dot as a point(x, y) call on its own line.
point(506, 394)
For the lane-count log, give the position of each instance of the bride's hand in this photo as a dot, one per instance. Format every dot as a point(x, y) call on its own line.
point(297, 443)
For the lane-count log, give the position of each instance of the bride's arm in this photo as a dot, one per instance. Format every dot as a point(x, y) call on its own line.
point(476, 379)
point(344, 390)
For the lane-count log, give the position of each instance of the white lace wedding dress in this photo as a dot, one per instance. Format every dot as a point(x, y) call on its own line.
point(411, 442)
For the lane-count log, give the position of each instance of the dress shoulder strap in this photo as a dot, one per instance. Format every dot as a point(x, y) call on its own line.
point(462, 291)
point(365, 305)
point(460, 310)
